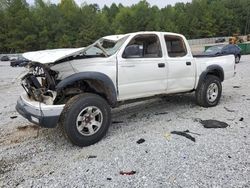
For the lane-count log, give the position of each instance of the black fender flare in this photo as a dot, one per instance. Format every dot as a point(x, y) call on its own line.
point(106, 82)
point(214, 70)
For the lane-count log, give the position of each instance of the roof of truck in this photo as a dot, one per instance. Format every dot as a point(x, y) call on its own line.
point(118, 37)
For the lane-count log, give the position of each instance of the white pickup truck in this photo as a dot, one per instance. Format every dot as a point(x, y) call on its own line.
point(77, 88)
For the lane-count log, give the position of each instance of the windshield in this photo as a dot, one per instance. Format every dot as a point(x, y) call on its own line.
point(214, 49)
point(104, 47)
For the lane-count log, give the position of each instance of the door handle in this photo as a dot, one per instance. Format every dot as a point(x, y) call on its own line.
point(188, 63)
point(161, 65)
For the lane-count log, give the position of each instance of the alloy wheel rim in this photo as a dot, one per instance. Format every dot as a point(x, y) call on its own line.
point(212, 92)
point(89, 121)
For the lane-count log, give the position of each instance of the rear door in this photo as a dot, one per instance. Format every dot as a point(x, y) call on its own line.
point(144, 73)
point(181, 66)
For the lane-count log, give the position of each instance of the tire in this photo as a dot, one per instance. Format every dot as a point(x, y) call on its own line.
point(209, 91)
point(237, 59)
point(85, 119)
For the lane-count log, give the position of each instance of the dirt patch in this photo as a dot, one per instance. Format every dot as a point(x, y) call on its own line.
point(21, 134)
point(28, 127)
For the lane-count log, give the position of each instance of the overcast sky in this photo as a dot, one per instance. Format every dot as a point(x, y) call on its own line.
point(101, 3)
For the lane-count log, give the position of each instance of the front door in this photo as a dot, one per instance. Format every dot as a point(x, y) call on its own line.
point(141, 68)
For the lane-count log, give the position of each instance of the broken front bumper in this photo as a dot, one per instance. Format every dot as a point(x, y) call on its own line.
point(39, 113)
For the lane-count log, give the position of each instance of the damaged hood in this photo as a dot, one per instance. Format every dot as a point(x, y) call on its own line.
point(51, 56)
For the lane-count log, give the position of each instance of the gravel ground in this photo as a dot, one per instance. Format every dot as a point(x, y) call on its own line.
point(34, 157)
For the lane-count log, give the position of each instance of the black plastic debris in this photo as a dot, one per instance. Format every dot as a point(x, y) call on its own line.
point(236, 86)
point(52, 172)
point(92, 156)
point(117, 122)
point(13, 117)
point(181, 133)
point(160, 113)
point(241, 119)
point(127, 173)
point(187, 131)
point(229, 110)
point(213, 124)
point(109, 179)
point(229, 157)
point(140, 141)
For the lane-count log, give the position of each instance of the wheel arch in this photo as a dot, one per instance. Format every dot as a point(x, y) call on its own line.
point(215, 70)
point(99, 82)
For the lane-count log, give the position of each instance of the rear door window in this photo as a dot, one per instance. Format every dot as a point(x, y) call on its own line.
point(175, 46)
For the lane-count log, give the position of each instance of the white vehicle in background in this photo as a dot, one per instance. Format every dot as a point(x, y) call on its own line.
point(78, 87)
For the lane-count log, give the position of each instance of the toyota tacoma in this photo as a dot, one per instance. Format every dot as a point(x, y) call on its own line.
point(76, 88)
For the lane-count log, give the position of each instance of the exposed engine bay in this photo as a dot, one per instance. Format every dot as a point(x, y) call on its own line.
point(40, 83)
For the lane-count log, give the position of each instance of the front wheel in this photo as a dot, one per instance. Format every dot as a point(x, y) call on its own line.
point(85, 119)
point(209, 91)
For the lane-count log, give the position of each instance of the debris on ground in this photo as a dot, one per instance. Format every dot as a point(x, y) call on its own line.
point(181, 133)
point(167, 136)
point(127, 173)
point(52, 172)
point(160, 113)
point(109, 179)
point(187, 131)
point(241, 119)
point(229, 110)
point(92, 156)
point(13, 117)
point(117, 122)
point(140, 141)
point(213, 124)
point(236, 86)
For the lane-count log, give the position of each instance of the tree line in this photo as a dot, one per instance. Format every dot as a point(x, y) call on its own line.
point(25, 27)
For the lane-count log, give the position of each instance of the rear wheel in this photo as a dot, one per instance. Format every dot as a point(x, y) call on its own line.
point(209, 91)
point(86, 119)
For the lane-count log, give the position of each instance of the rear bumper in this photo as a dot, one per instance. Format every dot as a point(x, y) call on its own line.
point(41, 114)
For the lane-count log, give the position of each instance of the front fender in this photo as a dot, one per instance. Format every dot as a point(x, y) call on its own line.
point(107, 83)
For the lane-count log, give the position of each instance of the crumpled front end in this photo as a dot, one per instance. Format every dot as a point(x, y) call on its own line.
point(40, 82)
point(37, 104)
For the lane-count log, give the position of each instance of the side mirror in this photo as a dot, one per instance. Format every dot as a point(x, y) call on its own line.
point(133, 51)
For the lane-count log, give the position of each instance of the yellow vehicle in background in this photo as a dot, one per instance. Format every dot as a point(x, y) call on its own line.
point(235, 39)
point(248, 37)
